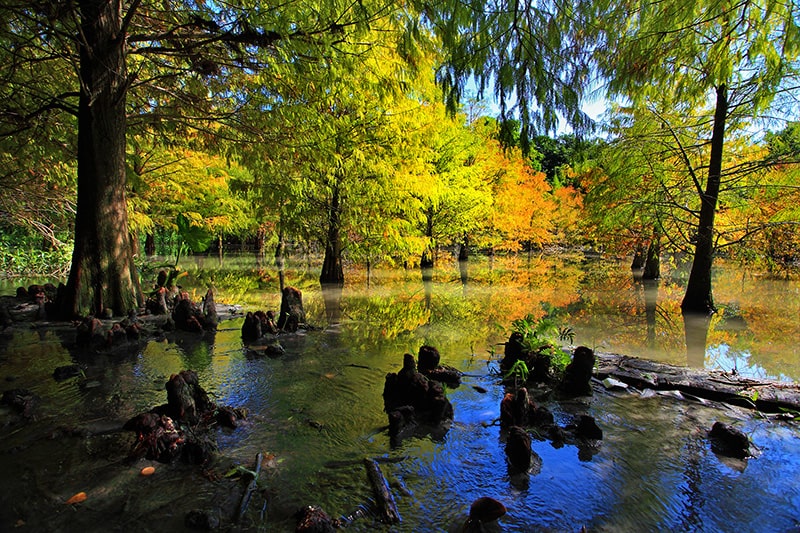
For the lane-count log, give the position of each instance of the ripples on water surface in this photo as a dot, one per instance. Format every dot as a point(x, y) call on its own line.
point(318, 409)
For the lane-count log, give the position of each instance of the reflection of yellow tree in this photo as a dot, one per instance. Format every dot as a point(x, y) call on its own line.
point(759, 319)
point(613, 315)
point(394, 308)
point(600, 301)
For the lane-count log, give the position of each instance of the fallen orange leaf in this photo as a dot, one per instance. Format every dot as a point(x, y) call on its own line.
point(148, 471)
point(78, 498)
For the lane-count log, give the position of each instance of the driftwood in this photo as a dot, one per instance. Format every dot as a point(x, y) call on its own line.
point(765, 395)
point(251, 488)
point(383, 497)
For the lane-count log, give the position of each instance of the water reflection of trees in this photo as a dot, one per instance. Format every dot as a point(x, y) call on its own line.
point(440, 310)
point(598, 299)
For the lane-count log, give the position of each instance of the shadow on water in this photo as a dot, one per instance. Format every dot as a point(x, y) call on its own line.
point(317, 411)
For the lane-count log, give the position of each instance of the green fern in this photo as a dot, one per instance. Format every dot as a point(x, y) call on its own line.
point(518, 371)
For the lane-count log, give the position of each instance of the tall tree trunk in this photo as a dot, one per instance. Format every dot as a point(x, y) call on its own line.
point(463, 259)
point(427, 260)
point(698, 297)
point(638, 257)
point(463, 250)
point(280, 256)
point(103, 275)
point(260, 243)
point(332, 271)
point(652, 264)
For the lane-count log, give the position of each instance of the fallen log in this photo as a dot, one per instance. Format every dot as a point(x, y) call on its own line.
point(765, 395)
point(383, 496)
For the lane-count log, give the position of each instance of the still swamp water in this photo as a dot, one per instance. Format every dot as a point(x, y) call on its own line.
point(316, 412)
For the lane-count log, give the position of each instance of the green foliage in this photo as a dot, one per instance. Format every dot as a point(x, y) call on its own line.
point(23, 255)
point(554, 156)
point(566, 334)
point(319, 121)
point(194, 235)
point(541, 337)
point(684, 53)
point(518, 371)
point(535, 332)
point(531, 51)
point(559, 359)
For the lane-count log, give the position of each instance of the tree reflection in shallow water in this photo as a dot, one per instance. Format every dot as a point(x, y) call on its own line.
point(318, 409)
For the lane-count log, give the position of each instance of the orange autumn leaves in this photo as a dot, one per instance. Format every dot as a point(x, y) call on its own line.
point(526, 208)
point(81, 497)
point(77, 498)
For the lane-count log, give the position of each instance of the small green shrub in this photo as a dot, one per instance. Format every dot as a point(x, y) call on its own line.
point(542, 337)
point(22, 255)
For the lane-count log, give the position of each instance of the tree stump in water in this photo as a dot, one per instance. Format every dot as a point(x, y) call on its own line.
point(587, 428)
point(313, 519)
point(728, 441)
point(210, 311)
point(518, 409)
point(181, 427)
point(482, 511)
point(578, 374)
point(292, 313)
point(428, 358)
point(251, 327)
point(512, 352)
point(187, 316)
point(186, 399)
point(408, 395)
point(258, 324)
point(518, 449)
point(428, 364)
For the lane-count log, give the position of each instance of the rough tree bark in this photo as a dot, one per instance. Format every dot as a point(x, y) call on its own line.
point(698, 297)
point(332, 271)
point(103, 275)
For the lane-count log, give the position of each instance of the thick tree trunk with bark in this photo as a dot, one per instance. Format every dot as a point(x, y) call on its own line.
point(698, 298)
point(332, 271)
point(103, 275)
